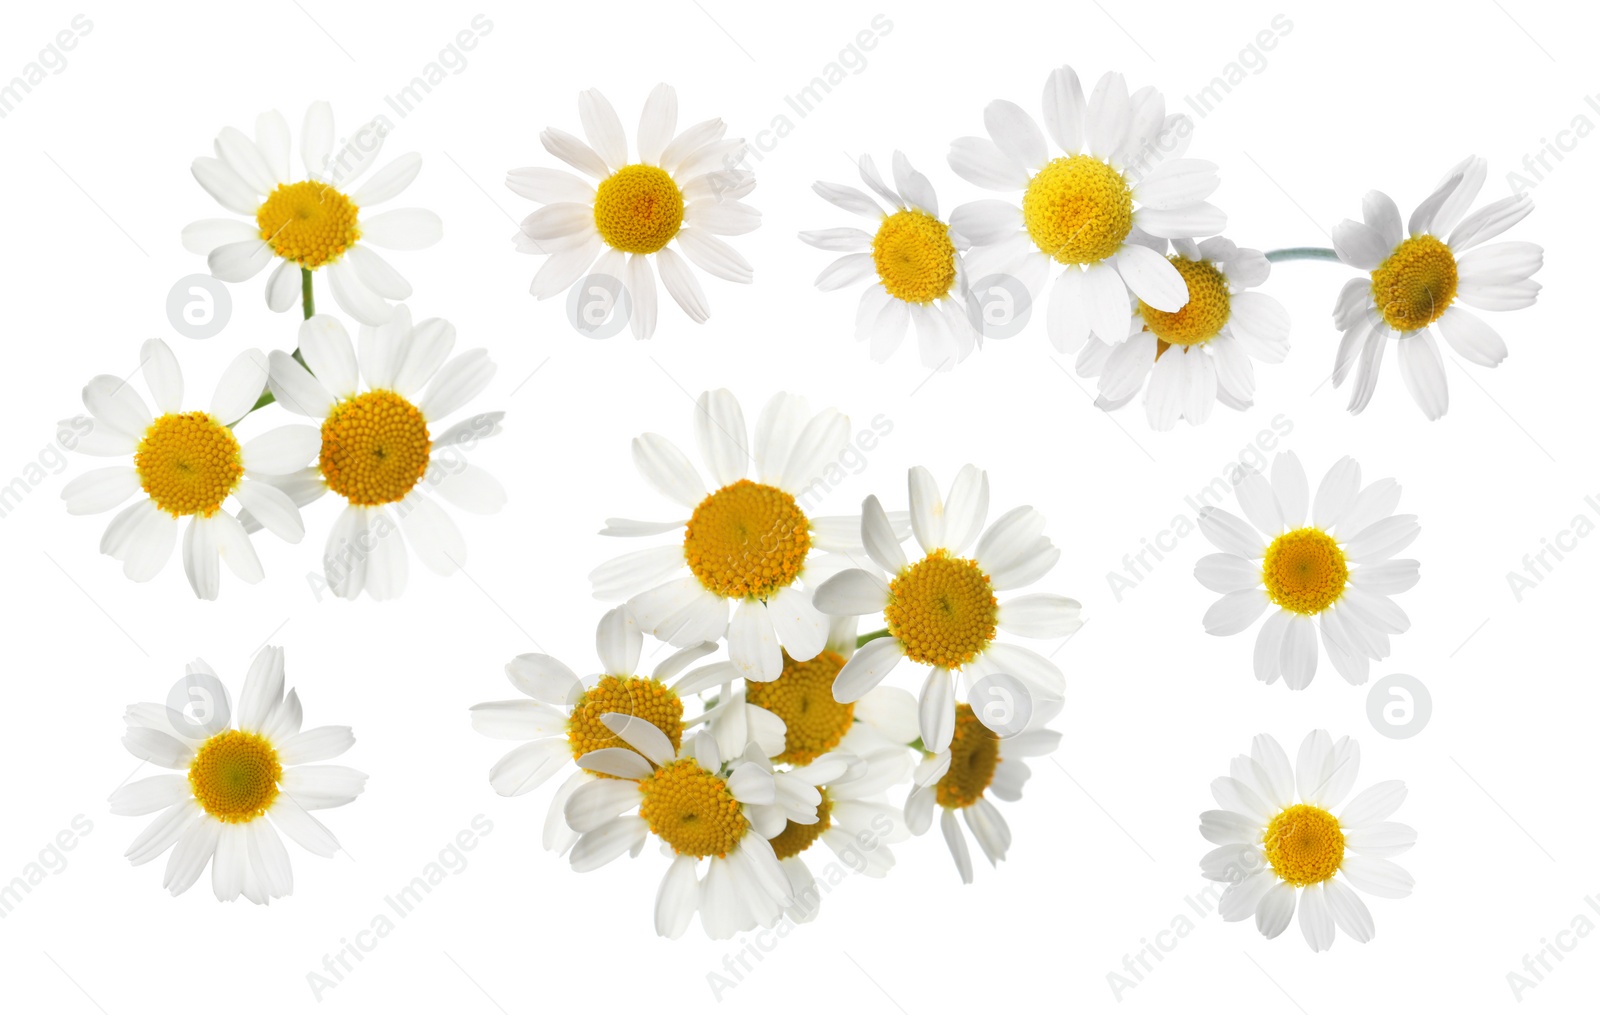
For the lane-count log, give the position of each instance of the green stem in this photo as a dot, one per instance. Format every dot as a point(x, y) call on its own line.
point(1302, 254)
point(308, 307)
point(871, 636)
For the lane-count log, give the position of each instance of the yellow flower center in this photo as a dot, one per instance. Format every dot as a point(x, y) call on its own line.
point(1078, 209)
point(374, 448)
point(188, 463)
point(1304, 845)
point(647, 699)
point(1199, 320)
point(1415, 283)
point(747, 540)
point(974, 753)
point(802, 697)
point(796, 838)
point(234, 776)
point(308, 222)
point(691, 809)
point(1304, 571)
point(943, 610)
point(915, 259)
point(638, 209)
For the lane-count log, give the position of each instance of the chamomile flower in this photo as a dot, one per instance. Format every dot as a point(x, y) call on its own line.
point(1275, 851)
point(916, 260)
point(852, 818)
point(1334, 575)
point(1187, 361)
point(963, 776)
point(941, 611)
point(558, 717)
point(1120, 179)
point(377, 450)
point(748, 545)
point(187, 464)
point(247, 775)
point(681, 191)
point(319, 221)
point(697, 805)
point(1416, 279)
point(814, 722)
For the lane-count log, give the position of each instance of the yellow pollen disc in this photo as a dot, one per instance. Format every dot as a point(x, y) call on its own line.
point(974, 753)
point(1304, 845)
point(915, 259)
point(1304, 571)
point(691, 809)
point(234, 776)
point(1078, 209)
point(308, 223)
point(638, 209)
point(747, 540)
point(1415, 284)
point(650, 700)
point(188, 463)
point(796, 838)
point(943, 610)
point(802, 697)
point(374, 448)
point(1200, 319)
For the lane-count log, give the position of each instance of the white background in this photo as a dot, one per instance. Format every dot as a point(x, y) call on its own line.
point(97, 187)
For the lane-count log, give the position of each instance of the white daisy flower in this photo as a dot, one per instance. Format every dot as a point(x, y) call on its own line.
point(941, 611)
point(748, 545)
point(558, 717)
point(1199, 355)
point(677, 192)
point(1416, 278)
point(1120, 180)
point(187, 465)
point(311, 223)
point(962, 777)
point(377, 451)
point(697, 805)
point(1274, 852)
point(249, 776)
point(1335, 575)
point(915, 258)
point(852, 818)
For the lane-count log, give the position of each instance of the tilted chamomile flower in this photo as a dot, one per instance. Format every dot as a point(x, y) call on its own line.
point(1274, 852)
point(941, 610)
point(1335, 575)
point(559, 716)
point(960, 779)
point(915, 257)
point(749, 546)
point(1188, 360)
point(248, 776)
point(1415, 281)
point(684, 190)
point(1121, 179)
point(187, 464)
point(696, 804)
point(312, 223)
point(377, 451)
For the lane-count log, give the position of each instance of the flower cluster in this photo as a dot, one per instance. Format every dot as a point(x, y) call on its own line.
point(771, 727)
point(377, 436)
